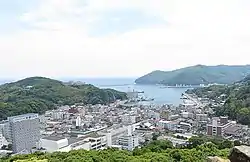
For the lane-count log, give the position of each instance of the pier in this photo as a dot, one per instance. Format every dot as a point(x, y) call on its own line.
point(182, 86)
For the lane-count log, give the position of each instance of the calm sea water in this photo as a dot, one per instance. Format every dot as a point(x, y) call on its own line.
point(160, 95)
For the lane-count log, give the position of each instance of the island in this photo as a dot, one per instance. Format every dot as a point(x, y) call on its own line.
point(39, 94)
point(196, 75)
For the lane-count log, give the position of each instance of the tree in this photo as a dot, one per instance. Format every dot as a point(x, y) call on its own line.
point(195, 141)
point(155, 136)
point(237, 143)
point(226, 144)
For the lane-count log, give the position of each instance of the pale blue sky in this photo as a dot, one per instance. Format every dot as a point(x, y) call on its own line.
point(120, 38)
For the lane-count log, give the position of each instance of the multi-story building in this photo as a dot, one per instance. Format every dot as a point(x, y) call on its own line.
point(129, 142)
point(218, 126)
point(114, 133)
point(89, 142)
point(78, 121)
point(129, 119)
point(5, 130)
point(187, 115)
point(3, 141)
point(57, 114)
point(170, 125)
point(201, 117)
point(24, 132)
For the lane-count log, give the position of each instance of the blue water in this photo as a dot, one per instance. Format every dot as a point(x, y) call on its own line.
point(160, 95)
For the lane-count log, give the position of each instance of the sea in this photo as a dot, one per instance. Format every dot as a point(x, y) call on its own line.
point(158, 93)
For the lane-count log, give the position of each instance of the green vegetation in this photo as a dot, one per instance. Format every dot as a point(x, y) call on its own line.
point(219, 142)
point(155, 151)
point(196, 75)
point(38, 94)
point(235, 96)
point(213, 92)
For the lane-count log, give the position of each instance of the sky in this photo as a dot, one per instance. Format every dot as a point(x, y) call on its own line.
point(120, 38)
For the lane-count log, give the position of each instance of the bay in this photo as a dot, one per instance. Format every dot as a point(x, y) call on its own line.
point(159, 94)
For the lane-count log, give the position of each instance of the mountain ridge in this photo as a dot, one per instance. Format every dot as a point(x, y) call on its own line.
point(198, 74)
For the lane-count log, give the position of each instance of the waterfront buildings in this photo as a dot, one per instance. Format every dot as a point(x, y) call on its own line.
point(119, 125)
point(24, 132)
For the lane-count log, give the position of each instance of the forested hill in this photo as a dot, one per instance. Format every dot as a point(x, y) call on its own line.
point(236, 97)
point(195, 75)
point(38, 94)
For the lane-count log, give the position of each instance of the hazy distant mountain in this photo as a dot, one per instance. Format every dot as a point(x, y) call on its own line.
point(195, 75)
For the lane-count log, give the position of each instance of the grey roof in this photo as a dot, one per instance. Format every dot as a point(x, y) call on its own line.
point(74, 140)
point(93, 135)
point(23, 115)
point(54, 138)
point(234, 130)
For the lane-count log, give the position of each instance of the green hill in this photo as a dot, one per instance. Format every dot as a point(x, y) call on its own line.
point(38, 94)
point(236, 97)
point(195, 75)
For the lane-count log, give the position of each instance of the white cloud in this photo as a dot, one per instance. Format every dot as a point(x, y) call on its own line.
point(199, 32)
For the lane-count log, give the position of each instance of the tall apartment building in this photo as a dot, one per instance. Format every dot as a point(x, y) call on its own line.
point(24, 132)
point(218, 125)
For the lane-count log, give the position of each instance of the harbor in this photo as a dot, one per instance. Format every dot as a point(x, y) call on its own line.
point(182, 86)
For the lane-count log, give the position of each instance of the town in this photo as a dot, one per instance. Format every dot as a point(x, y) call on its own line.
point(123, 125)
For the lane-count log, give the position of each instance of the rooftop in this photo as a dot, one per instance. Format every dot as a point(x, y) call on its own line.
point(21, 116)
point(234, 129)
point(75, 140)
point(93, 135)
point(54, 138)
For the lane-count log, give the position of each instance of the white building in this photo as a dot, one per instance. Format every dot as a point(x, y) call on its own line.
point(78, 121)
point(82, 111)
point(154, 115)
point(187, 115)
point(122, 136)
point(52, 144)
point(89, 142)
point(170, 125)
point(57, 115)
point(201, 117)
point(128, 119)
point(5, 130)
point(129, 142)
point(3, 141)
point(113, 135)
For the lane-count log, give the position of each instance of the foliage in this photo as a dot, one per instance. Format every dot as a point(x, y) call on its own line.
point(156, 151)
point(155, 135)
point(235, 96)
point(213, 92)
point(196, 75)
point(38, 94)
point(220, 143)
